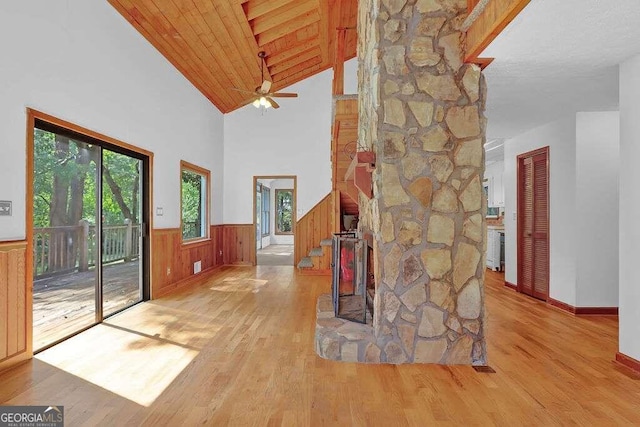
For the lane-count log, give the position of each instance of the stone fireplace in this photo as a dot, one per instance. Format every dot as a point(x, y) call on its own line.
point(421, 113)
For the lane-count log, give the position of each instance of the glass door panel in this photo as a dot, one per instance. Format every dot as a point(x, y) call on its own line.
point(257, 216)
point(122, 249)
point(65, 201)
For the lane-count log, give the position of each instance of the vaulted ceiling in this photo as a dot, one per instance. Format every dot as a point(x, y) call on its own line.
point(215, 43)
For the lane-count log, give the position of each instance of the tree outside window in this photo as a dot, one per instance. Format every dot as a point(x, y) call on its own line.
point(194, 201)
point(284, 211)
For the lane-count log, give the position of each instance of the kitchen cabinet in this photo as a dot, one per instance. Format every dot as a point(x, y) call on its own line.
point(493, 180)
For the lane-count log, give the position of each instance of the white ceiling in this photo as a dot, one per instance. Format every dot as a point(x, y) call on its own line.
point(556, 58)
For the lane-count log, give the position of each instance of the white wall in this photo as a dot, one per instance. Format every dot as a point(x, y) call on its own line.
point(279, 239)
point(351, 76)
point(81, 61)
point(630, 208)
point(293, 140)
point(597, 173)
point(560, 136)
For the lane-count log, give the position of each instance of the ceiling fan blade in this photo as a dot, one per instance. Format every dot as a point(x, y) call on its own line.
point(266, 86)
point(283, 95)
point(273, 103)
point(243, 91)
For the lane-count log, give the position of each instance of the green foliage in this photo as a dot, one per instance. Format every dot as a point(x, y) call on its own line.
point(192, 191)
point(284, 214)
point(67, 165)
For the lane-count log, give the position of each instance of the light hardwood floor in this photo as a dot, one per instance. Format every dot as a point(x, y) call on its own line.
point(238, 350)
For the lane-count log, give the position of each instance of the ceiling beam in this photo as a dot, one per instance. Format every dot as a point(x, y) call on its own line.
point(255, 8)
point(293, 51)
point(492, 21)
point(302, 57)
point(280, 16)
point(288, 27)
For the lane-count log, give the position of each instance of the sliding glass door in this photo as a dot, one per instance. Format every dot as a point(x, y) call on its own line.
point(88, 233)
point(64, 235)
point(121, 231)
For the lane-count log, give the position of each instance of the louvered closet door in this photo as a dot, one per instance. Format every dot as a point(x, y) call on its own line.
point(533, 224)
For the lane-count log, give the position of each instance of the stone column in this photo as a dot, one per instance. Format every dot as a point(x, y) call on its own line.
point(421, 112)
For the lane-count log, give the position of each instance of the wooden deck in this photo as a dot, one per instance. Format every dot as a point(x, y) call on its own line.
point(65, 304)
point(237, 349)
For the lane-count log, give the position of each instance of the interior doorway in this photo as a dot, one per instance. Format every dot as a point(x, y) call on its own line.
point(533, 223)
point(274, 219)
point(88, 230)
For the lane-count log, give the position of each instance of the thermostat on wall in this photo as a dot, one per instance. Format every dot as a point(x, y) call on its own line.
point(5, 208)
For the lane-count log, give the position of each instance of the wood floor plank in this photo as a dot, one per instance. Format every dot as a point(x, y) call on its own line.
point(237, 349)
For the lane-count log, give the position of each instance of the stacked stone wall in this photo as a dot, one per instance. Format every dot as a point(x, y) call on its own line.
point(421, 111)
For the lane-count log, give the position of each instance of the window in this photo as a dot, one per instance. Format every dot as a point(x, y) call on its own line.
point(284, 211)
point(266, 211)
point(194, 201)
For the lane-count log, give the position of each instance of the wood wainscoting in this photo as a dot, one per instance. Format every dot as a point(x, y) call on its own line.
point(172, 261)
point(239, 244)
point(15, 305)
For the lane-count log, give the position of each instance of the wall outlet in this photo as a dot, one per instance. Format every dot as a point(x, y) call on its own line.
point(168, 271)
point(159, 211)
point(515, 216)
point(197, 267)
point(5, 207)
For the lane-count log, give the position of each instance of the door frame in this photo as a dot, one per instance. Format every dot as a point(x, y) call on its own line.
point(520, 220)
point(108, 143)
point(294, 210)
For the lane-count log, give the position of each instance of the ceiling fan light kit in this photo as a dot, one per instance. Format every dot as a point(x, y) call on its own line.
point(262, 96)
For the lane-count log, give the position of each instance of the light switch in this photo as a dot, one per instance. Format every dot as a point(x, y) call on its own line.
point(5, 208)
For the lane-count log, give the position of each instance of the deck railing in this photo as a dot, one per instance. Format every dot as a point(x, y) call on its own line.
point(59, 250)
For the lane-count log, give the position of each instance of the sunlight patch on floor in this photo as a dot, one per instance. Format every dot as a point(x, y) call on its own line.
point(238, 284)
point(152, 363)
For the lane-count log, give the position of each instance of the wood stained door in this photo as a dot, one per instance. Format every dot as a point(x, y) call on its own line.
point(533, 223)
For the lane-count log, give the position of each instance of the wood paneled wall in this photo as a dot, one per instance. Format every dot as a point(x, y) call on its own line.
point(239, 244)
point(172, 262)
point(316, 225)
point(15, 305)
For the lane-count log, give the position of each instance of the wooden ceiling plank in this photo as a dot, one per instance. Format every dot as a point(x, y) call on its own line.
point(325, 6)
point(248, 33)
point(298, 59)
point(281, 15)
point(184, 20)
point(283, 55)
point(225, 25)
point(288, 27)
point(302, 68)
point(176, 56)
point(256, 8)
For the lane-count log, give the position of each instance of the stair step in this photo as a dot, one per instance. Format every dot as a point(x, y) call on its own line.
point(316, 252)
point(305, 262)
point(326, 242)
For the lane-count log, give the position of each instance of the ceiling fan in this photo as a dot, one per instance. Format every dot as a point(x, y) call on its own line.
point(262, 95)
